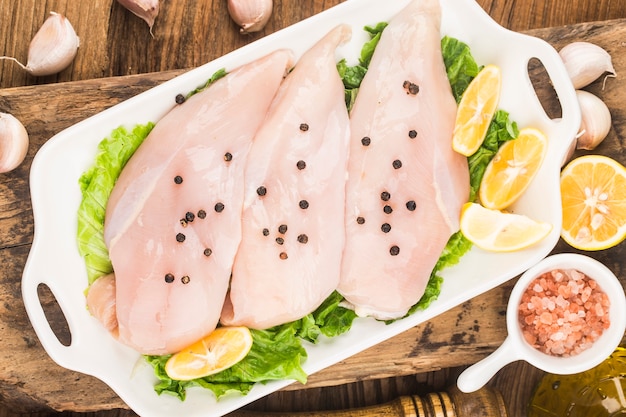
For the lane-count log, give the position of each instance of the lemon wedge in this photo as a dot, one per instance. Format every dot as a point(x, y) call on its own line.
point(512, 169)
point(219, 350)
point(499, 231)
point(476, 109)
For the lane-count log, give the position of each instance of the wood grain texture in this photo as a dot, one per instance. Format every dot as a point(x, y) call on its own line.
point(189, 33)
point(116, 43)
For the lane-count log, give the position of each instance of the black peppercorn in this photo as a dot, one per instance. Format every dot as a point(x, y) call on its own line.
point(410, 87)
point(219, 207)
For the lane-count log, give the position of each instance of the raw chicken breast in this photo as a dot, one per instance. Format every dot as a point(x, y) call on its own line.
point(173, 221)
point(406, 185)
point(101, 302)
point(293, 220)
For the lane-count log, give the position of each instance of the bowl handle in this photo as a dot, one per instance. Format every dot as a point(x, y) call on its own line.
point(476, 376)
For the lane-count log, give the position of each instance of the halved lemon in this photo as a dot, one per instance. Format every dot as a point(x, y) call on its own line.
point(499, 231)
point(221, 349)
point(476, 109)
point(593, 199)
point(511, 170)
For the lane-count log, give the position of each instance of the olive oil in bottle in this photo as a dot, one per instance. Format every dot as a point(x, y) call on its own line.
point(598, 392)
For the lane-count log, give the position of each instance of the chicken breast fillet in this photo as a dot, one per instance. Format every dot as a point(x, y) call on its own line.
point(173, 221)
point(406, 185)
point(293, 219)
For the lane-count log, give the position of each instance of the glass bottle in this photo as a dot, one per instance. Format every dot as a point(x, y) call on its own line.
point(598, 392)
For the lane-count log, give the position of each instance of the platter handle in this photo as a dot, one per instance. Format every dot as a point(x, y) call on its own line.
point(563, 88)
point(76, 354)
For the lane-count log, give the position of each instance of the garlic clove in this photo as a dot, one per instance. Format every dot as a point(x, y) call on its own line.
point(13, 142)
point(147, 10)
point(250, 15)
point(585, 62)
point(53, 47)
point(596, 120)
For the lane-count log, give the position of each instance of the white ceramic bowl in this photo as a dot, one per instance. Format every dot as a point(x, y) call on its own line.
point(516, 348)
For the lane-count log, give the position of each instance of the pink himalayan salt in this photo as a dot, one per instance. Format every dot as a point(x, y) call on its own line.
point(563, 312)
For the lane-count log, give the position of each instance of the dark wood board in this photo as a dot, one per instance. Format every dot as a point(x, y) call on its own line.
point(28, 378)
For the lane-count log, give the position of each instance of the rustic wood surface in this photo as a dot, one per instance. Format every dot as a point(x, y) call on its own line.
point(188, 33)
point(116, 44)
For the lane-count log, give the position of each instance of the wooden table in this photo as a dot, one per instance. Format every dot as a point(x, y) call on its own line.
point(118, 58)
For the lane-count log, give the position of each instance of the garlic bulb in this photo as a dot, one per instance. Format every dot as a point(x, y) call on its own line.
point(250, 15)
point(585, 62)
point(52, 49)
point(13, 142)
point(147, 10)
point(596, 120)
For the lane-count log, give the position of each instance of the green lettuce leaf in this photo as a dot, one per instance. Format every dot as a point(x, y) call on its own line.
point(353, 75)
point(220, 73)
point(460, 65)
point(96, 185)
point(276, 354)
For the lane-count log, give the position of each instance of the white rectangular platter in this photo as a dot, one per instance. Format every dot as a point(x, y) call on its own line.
point(55, 262)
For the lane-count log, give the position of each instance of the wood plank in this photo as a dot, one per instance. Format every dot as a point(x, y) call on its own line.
point(189, 33)
point(22, 19)
point(521, 15)
point(460, 336)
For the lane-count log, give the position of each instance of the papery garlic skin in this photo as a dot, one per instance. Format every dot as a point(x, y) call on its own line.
point(53, 48)
point(148, 10)
point(585, 62)
point(250, 15)
point(13, 142)
point(596, 120)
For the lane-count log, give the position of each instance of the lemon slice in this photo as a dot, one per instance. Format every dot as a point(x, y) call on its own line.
point(593, 200)
point(221, 349)
point(511, 170)
point(498, 231)
point(476, 109)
